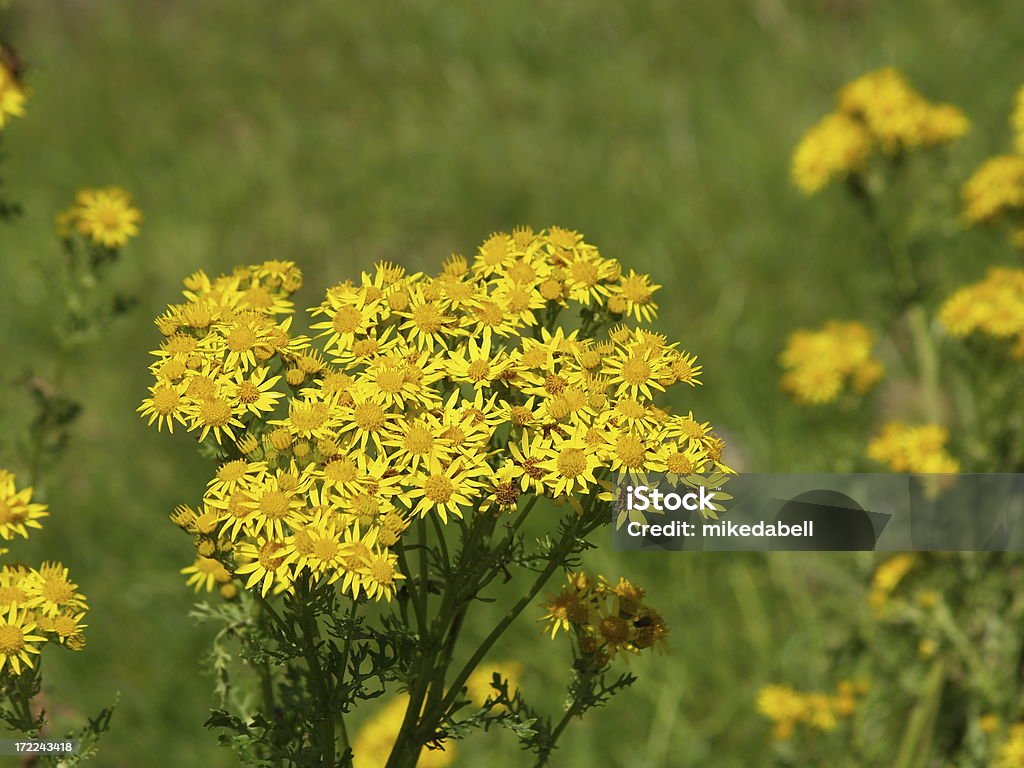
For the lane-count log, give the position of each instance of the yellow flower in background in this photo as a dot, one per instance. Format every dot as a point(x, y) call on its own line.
point(880, 109)
point(989, 723)
point(786, 707)
point(107, 217)
point(819, 364)
point(889, 574)
point(997, 187)
point(919, 449)
point(992, 307)
point(373, 742)
point(837, 146)
point(479, 688)
point(12, 96)
point(1011, 751)
point(17, 512)
point(897, 116)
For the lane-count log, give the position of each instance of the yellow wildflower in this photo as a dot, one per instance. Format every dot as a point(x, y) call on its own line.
point(834, 148)
point(818, 364)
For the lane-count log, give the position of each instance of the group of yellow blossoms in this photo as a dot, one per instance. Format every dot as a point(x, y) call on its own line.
point(991, 307)
point(786, 707)
point(877, 112)
point(12, 95)
point(918, 449)
point(105, 217)
point(36, 606)
point(996, 190)
point(1011, 751)
point(820, 364)
point(604, 619)
point(423, 395)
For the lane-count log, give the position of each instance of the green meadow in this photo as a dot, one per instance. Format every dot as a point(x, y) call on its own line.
point(339, 134)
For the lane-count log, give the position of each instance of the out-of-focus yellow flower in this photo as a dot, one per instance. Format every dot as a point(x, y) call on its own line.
point(889, 574)
point(989, 723)
point(996, 188)
point(897, 116)
point(106, 216)
point(818, 364)
point(479, 688)
point(1011, 752)
point(919, 449)
point(12, 96)
point(878, 109)
point(887, 577)
point(787, 707)
point(837, 146)
point(992, 307)
point(781, 704)
point(373, 742)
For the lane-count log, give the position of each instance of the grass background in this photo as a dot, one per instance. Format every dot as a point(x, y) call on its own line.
point(336, 134)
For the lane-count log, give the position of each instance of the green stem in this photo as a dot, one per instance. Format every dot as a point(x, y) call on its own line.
point(549, 748)
point(266, 675)
point(345, 654)
point(557, 557)
point(927, 361)
point(916, 744)
point(325, 727)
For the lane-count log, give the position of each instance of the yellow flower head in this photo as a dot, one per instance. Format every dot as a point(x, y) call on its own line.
point(12, 96)
point(997, 187)
point(897, 116)
point(992, 307)
point(107, 217)
point(837, 146)
point(878, 109)
point(919, 449)
point(819, 364)
point(17, 511)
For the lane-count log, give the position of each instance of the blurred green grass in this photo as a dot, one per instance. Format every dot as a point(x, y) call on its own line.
point(336, 134)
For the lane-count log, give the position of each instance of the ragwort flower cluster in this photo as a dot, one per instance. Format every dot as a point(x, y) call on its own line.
point(37, 606)
point(820, 364)
point(786, 707)
point(603, 619)
point(878, 113)
point(992, 307)
point(915, 448)
point(421, 395)
point(995, 192)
